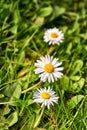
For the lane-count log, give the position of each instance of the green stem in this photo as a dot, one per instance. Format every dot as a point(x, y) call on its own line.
point(38, 119)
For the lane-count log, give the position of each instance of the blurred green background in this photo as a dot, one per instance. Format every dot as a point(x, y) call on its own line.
point(22, 26)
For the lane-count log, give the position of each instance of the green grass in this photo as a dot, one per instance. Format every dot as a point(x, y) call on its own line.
point(22, 26)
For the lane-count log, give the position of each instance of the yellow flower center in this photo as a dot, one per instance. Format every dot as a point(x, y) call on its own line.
point(49, 68)
point(54, 35)
point(45, 95)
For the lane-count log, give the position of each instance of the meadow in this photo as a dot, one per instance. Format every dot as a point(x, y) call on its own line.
point(23, 24)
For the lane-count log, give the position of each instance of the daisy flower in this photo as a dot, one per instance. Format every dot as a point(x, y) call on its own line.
point(53, 36)
point(48, 68)
point(45, 96)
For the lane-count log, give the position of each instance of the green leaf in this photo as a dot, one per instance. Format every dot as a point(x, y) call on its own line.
point(64, 82)
point(1, 95)
point(46, 11)
point(69, 47)
point(16, 16)
point(77, 86)
point(39, 21)
point(83, 35)
point(12, 119)
point(13, 29)
point(17, 91)
point(30, 101)
point(57, 11)
point(21, 55)
point(75, 78)
point(76, 67)
point(13, 91)
point(7, 111)
point(74, 101)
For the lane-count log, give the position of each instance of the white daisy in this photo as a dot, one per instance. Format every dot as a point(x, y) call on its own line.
point(53, 36)
point(48, 68)
point(45, 96)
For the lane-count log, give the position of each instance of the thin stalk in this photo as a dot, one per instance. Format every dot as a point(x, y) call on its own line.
point(32, 87)
point(39, 118)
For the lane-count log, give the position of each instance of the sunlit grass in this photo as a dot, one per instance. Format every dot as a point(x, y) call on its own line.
point(22, 26)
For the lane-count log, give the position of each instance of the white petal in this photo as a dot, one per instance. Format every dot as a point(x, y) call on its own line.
point(57, 74)
point(57, 64)
point(49, 78)
point(58, 69)
point(40, 64)
point(52, 78)
point(54, 61)
point(45, 102)
point(47, 36)
point(44, 76)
